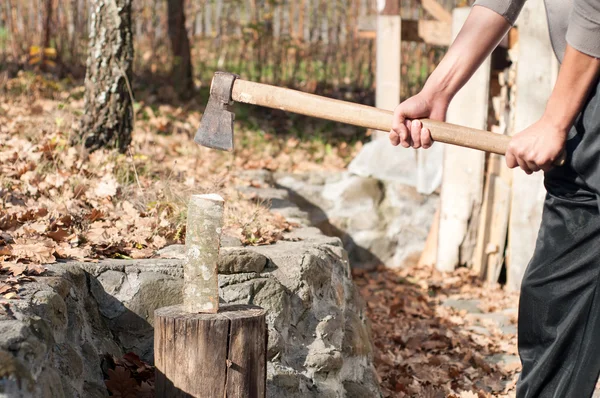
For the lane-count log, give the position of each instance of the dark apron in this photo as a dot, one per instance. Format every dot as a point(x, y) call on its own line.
point(559, 308)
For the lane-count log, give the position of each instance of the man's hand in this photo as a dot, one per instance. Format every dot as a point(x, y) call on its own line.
point(406, 130)
point(480, 34)
point(536, 147)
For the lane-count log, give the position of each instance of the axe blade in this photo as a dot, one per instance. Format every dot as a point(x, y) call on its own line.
point(216, 126)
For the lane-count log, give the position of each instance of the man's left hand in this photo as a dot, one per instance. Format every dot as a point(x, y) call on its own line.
point(536, 147)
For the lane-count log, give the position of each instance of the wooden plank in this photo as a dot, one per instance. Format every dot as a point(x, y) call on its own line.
point(462, 185)
point(387, 75)
point(491, 234)
point(483, 231)
point(431, 32)
point(429, 254)
point(435, 32)
point(498, 228)
point(437, 11)
point(536, 73)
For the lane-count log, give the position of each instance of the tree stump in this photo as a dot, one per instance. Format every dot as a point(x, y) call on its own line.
point(210, 355)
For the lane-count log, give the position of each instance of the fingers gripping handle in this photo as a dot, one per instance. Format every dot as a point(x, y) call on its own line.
point(361, 115)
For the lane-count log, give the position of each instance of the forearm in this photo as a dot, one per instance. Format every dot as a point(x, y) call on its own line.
point(480, 34)
point(578, 74)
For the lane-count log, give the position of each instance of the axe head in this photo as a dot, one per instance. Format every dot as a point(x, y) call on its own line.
point(216, 126)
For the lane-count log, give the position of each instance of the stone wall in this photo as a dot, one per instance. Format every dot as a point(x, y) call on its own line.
point(319, 340)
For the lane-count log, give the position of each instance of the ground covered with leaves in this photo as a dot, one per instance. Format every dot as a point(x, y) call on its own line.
point(426, 349)
point(58, 201)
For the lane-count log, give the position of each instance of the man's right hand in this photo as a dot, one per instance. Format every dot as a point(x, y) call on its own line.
point(407, 130)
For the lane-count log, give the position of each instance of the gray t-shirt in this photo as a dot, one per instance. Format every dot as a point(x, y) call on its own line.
point(576, 22)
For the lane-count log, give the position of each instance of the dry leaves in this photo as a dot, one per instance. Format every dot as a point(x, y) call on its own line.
point(13, 275)
point(58, 202)
point(424, 349)
point(128, 377)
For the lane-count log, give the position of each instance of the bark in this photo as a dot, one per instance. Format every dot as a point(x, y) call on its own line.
point(108, 119)
point(181, 69)
point(45, 33)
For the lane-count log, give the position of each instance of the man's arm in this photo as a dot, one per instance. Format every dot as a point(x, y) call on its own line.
point(480, 34)
point(539, 145)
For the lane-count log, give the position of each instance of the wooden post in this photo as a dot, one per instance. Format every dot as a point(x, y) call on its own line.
point(462, 184)
point(536, 73)
point(202, 242)
point(210, 355)
point(388, 41)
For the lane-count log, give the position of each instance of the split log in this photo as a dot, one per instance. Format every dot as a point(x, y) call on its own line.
point(202, 242)
point(210, 355)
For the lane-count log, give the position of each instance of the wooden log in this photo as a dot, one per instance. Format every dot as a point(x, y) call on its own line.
point(210, 355)
point(462, 184)
point(387, 85)
point(202, 242)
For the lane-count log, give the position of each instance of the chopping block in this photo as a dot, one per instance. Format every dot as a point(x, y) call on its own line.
point(201, 348)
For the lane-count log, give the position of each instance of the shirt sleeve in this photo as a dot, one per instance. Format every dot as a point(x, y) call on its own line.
point(509, 9)
point(583, 33)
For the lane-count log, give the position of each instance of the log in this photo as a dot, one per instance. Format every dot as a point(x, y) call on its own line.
point(202, 242)
point(210, 355)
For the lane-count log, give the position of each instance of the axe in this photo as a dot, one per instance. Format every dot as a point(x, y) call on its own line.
point(216, 126)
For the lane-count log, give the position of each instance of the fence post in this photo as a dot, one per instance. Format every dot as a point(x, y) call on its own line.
point(462, 183)
point(388, 41)
point(536, 73)
point(202, 350)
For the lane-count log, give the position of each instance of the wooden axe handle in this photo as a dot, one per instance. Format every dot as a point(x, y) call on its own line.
point(362, 115)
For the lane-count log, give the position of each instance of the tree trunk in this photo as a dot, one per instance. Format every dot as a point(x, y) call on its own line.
point(45, 33)
point(181, 70)
point(108, 119)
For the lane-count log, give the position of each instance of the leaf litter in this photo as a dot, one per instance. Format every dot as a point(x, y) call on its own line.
point(425, 349)
point(59, 202)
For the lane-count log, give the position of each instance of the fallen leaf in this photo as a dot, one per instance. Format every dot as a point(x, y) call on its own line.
point(107, 187)
point(121, 384)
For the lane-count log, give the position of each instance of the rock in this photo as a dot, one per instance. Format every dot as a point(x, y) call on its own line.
point(324, 361)
point(230, 241)
point(470, 306)
point(177, 251)
point(380, 160)
point(319, 340)
point(240, 260)
point(353, 191)
point(379, 223)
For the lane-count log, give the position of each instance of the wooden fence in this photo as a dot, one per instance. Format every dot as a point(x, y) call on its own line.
point(310, 44)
